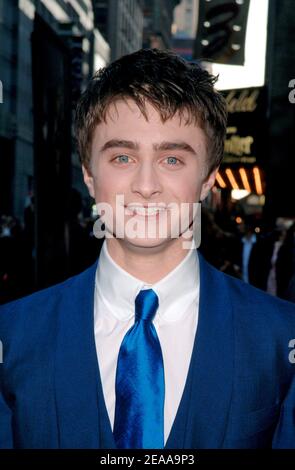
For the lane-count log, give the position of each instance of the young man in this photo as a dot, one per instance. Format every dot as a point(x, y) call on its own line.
point(151, 347)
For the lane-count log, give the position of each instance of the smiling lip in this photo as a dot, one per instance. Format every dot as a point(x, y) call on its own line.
point(144, 210)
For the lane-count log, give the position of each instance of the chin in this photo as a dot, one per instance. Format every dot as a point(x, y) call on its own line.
point(147, 242)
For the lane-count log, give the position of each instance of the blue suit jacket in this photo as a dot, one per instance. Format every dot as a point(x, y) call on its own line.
point(239, 392)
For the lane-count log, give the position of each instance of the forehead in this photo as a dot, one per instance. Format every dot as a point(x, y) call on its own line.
point(121, 107)
point(125, 116)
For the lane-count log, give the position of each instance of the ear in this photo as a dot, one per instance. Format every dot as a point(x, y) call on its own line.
point(88, 180)
point(208, 184)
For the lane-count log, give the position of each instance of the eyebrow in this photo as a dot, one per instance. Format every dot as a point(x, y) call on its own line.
point(115, 143)
point(166, 145)
point(175, 146)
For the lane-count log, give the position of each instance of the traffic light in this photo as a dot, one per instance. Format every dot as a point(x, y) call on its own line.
point(221, 31)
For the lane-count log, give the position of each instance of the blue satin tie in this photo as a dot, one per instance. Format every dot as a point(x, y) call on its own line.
point(140, 385)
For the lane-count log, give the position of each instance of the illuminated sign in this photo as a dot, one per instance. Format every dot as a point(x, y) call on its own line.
point(245, 140)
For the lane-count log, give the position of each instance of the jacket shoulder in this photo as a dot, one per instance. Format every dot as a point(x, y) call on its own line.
point(41, 305)
point(255, 298)
point(248, 299)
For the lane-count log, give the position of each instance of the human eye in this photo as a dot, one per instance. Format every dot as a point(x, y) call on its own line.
point(122, 159)
point(173, 161)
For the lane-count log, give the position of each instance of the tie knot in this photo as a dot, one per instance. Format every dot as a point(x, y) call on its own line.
point(146, 304)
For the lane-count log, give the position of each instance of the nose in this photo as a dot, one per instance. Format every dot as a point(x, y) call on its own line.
point(146, 181)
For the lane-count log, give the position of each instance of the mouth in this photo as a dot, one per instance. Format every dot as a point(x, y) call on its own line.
point(145, 211)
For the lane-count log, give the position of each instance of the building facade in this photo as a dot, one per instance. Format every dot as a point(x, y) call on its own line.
point(73, 23)
point(48, 51)
point(184, 27)
point(121, 23)
point(186, 19)
point(280, 75)
point(158, 19)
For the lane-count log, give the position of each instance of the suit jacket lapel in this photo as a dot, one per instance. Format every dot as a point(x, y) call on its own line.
point(81, 414)
point(202, 416)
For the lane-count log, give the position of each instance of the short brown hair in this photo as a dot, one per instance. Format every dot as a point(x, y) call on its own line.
point(165, 80)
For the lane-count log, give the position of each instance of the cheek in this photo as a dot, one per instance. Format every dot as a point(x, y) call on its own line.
point(188, 190)
point(107, 187)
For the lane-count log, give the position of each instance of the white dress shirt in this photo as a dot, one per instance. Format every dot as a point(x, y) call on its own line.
point(175, 322)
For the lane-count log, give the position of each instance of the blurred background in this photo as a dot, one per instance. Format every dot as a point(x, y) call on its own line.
point(49, 49)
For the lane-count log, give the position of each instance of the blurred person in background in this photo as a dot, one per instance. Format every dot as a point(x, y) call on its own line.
point(217, 245)
point(285, 265)
point(248, 246)
point(16, 264)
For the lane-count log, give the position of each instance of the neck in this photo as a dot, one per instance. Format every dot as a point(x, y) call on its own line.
point(149, 264)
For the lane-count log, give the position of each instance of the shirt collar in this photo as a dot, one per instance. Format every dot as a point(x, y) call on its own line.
point(176, 291)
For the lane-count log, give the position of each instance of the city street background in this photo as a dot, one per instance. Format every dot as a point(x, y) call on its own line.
point(49, 50)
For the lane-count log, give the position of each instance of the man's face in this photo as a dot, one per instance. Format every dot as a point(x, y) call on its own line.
point(148, 162)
